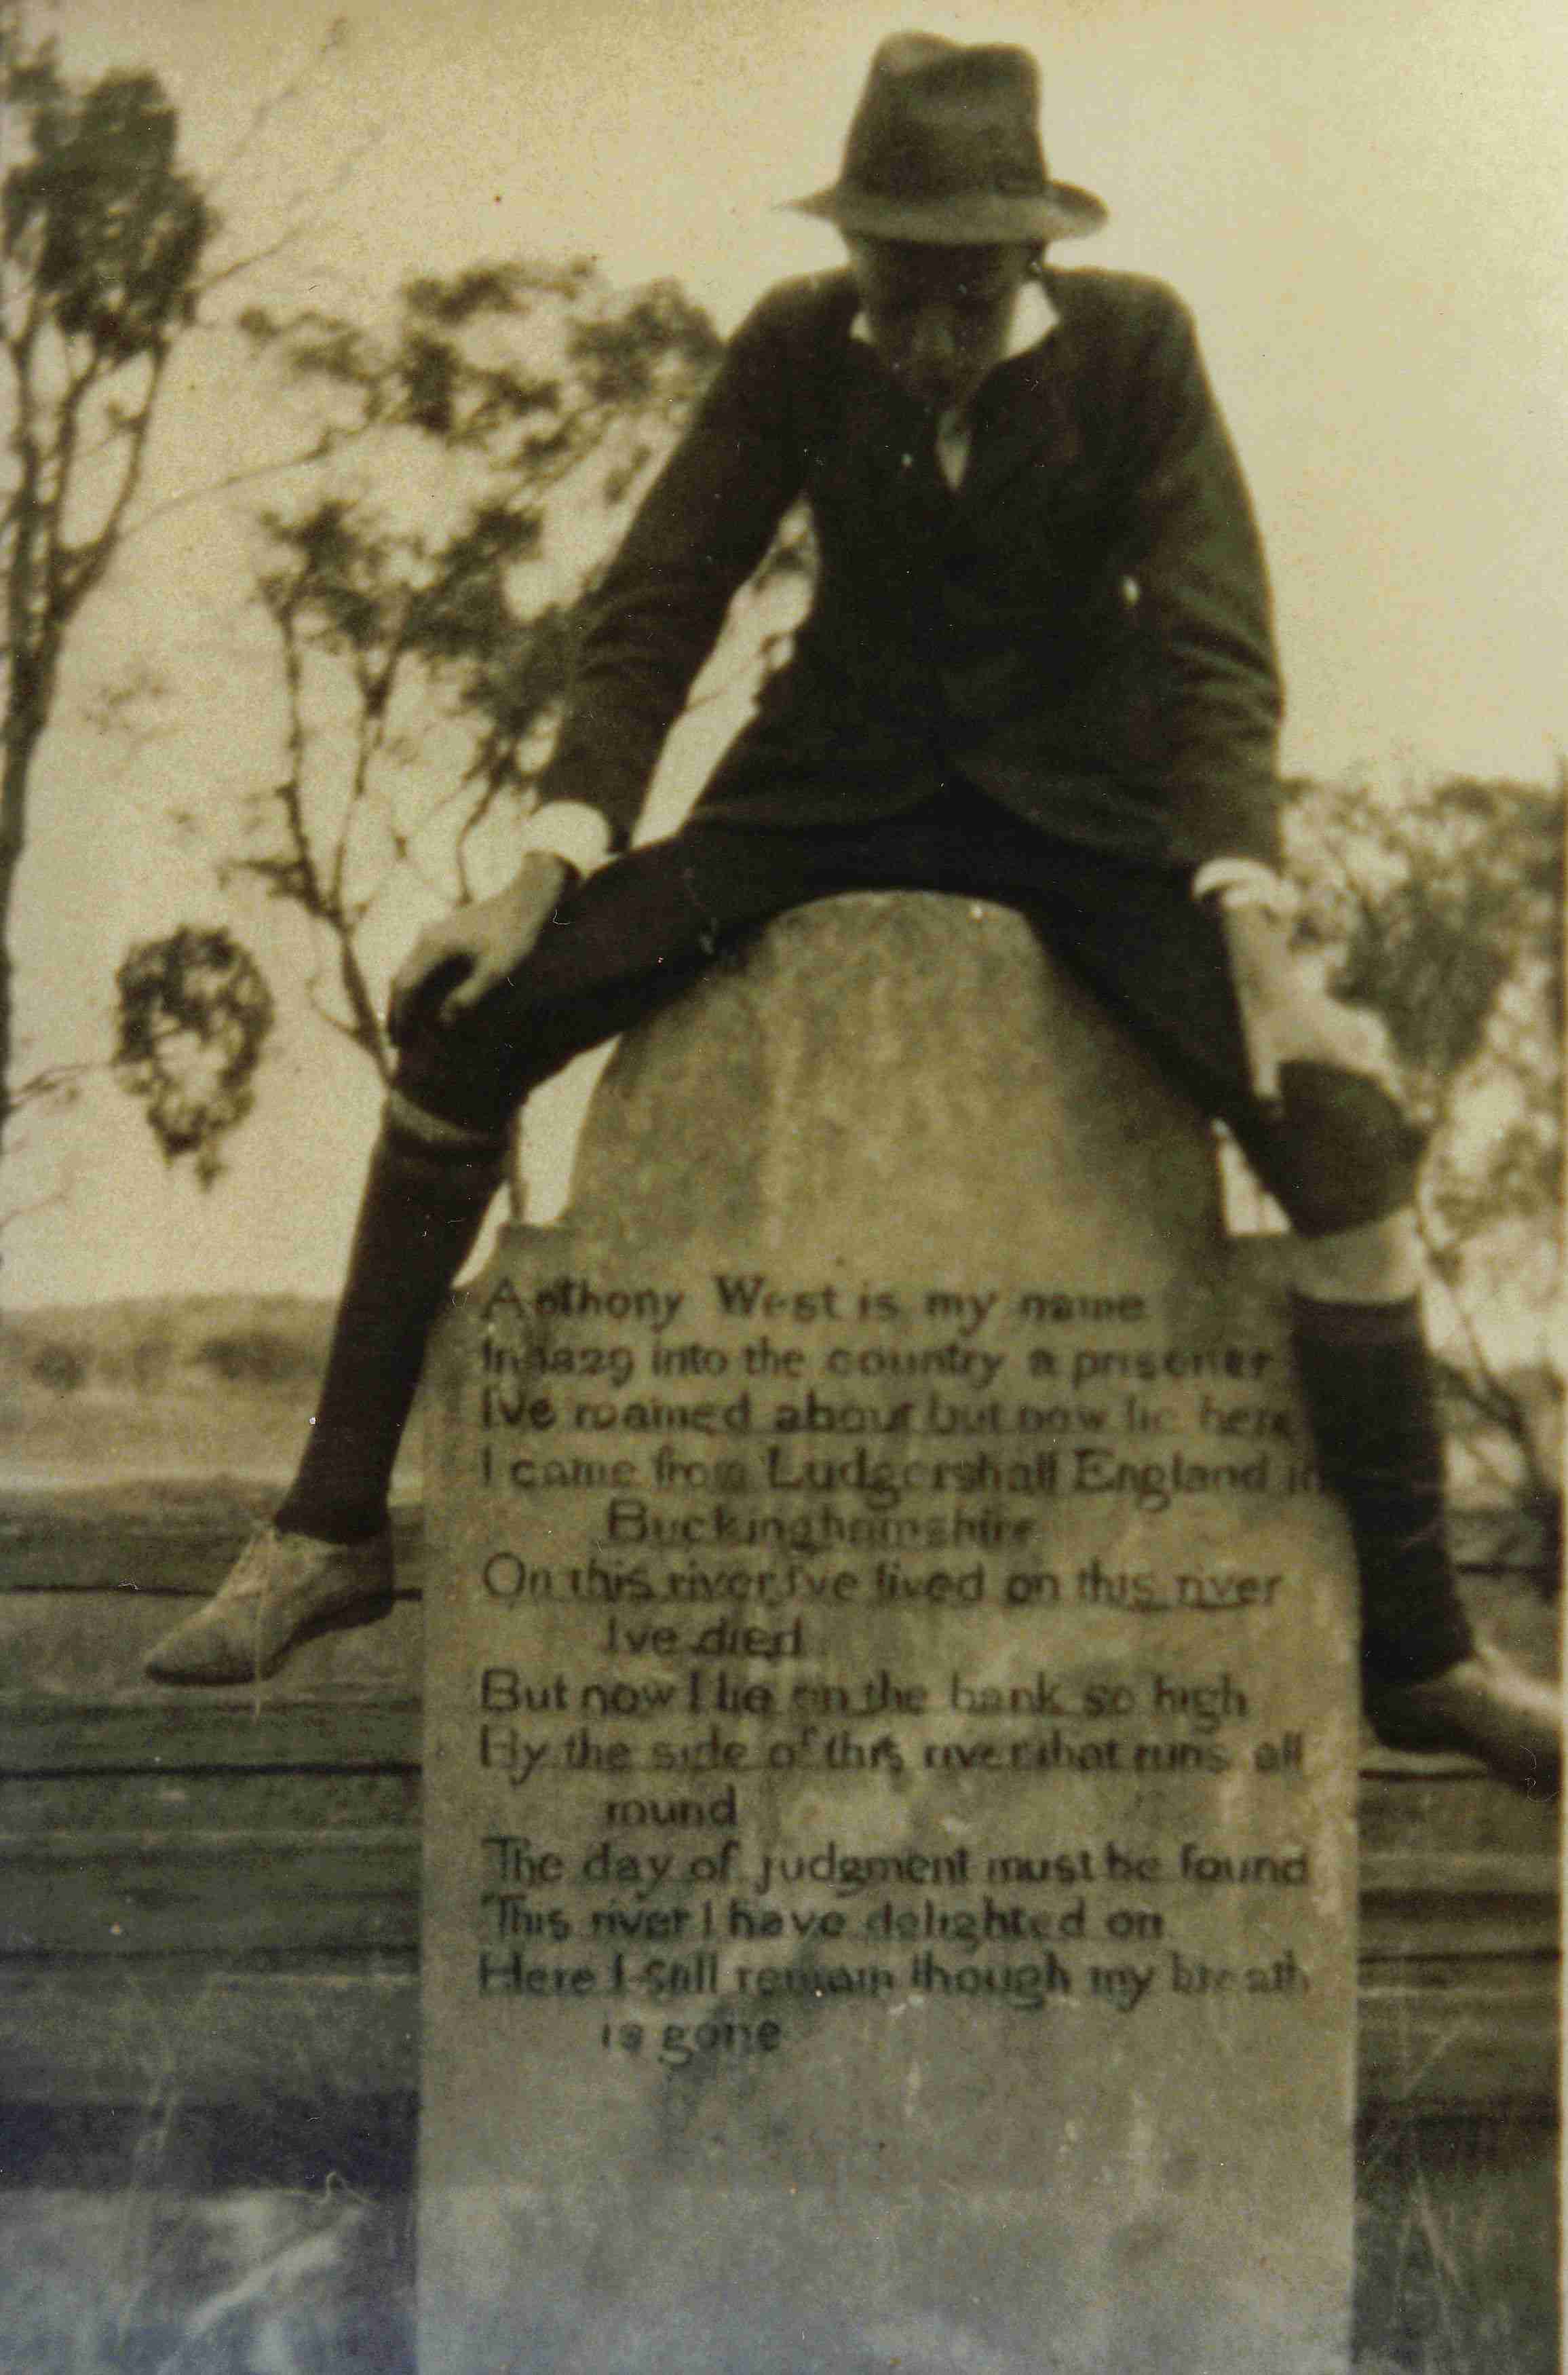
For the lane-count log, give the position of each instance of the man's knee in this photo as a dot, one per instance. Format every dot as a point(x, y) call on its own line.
point(454, 1076)
point(415, 1125)
point(1344, 1153)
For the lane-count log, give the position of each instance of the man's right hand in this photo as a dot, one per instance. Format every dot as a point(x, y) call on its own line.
point(475, 947)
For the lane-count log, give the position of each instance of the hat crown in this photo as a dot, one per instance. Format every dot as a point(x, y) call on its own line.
point(939, 122)
point(945, 148)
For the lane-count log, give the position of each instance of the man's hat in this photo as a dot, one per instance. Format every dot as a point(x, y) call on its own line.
point(945, 150)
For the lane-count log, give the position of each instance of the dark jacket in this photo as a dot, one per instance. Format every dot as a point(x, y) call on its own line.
point(1082, 630)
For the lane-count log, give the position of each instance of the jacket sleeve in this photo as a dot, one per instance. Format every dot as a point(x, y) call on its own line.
point(655, 615)
point(1203, 591)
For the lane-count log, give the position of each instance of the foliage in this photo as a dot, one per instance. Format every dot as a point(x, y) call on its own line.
point(112, 230)
point(481, 452)
point(195, 1014)
point(101, 238)
point(151, 1358)
point(62, 1367)
point(1441, 912)
point(257, 1356)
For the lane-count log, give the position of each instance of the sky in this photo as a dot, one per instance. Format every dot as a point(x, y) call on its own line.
point(1365, 202)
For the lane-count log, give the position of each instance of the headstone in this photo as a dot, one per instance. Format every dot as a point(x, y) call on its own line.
point(890, 1733)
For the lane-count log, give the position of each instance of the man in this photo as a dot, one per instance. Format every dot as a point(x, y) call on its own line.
point(1038, 668)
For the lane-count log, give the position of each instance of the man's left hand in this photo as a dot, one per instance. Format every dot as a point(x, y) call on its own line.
point(1286, 1016)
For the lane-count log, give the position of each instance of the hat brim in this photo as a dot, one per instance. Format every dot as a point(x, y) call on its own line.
point(969, 218)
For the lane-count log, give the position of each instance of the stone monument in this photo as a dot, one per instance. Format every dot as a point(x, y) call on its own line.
point(889, 1720)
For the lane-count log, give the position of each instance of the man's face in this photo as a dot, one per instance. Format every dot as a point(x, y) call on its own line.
point(937, 317)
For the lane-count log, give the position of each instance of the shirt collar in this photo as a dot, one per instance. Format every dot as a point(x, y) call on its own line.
point(1035, 318)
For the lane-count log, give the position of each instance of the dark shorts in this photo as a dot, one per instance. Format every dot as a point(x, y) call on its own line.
point(1334, 1151)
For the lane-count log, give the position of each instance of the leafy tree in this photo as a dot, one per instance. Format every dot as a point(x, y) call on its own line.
point(1442, 913)
point(62, 1367)
point(102, 239)
point(255, 1356)
point(193, 1018)
point(483, 450)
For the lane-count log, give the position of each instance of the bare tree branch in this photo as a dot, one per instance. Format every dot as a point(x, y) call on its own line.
point(275, 100)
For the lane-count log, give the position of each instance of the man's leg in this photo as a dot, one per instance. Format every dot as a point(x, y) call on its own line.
point(1339, 1155)
point(1366, 1376)
point(426, 1191)
point(627, 942)
point(1367, 1379)
point(326, 1558)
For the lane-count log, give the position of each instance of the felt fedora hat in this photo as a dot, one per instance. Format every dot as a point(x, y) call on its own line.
point(945, 151)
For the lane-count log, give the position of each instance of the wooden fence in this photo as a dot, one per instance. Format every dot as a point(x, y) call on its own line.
point(212, 1899)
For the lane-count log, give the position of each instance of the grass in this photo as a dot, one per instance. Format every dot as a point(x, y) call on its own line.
point(1454, 2227)
point(253, 2283)
point(1455, 2259)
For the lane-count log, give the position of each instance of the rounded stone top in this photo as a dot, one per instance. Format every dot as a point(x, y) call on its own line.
point(897, 1078)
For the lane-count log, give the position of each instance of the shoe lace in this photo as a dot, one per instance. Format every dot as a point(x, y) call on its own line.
point(247, 1577)
point(250, 1580)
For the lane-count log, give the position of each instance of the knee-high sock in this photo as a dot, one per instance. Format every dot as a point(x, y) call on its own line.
point(1367, 1378)
point(422, 1208)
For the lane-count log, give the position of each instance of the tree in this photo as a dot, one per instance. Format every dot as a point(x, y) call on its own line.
point(102, 239)
point(482, 452)
point(62, 1367)
point(194, 1013)
point(1442, 913)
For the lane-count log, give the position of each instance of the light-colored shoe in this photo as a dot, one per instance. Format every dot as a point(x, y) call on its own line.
point(282, 1590)
point(1485, 1707)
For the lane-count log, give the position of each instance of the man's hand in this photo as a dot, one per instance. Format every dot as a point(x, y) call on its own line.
point(462, 958)
point(1286, 1017)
